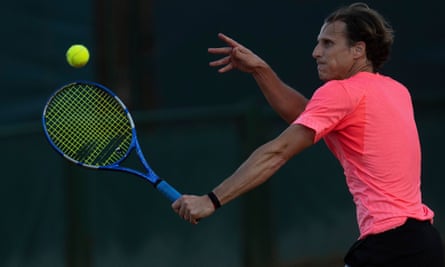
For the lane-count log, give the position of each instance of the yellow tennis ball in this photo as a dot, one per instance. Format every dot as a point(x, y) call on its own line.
point(77, 56)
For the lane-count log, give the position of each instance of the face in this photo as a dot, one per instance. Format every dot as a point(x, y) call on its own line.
point(336, 59)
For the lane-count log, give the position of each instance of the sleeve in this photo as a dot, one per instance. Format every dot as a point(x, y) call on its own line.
point(329, 105)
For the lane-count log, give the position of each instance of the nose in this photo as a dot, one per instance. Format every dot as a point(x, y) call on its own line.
point(316, 53)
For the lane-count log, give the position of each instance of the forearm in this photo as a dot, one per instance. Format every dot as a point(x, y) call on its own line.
point(286, 101)
point(257, 169)
point(264, 162)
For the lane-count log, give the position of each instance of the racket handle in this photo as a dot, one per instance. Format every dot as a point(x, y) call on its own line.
point(168, 191)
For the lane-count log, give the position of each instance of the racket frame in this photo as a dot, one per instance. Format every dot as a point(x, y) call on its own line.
point(161, 185)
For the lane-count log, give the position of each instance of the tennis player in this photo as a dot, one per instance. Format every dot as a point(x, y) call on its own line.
point(367, 121)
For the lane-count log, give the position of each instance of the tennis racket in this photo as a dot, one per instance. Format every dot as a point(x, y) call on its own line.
point(90, 126)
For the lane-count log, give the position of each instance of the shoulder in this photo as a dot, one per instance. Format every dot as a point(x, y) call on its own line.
point(354, 87)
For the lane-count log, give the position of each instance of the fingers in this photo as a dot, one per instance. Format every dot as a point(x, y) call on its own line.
point(220, 50)
point(183, 212)
point(226, 62)
point(225, 50)
point(228, 40)
point(219, 62)
point(184, 208)
point(223, 61)
point(226, 68)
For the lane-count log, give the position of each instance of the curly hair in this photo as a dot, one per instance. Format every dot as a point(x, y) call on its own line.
point(367, 25)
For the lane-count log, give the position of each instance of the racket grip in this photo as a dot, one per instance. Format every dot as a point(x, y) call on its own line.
point(167, 190)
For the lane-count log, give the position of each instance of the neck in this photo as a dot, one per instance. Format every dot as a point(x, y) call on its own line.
point(361, 66)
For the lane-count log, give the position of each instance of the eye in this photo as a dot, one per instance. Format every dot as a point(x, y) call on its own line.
point(327, 43)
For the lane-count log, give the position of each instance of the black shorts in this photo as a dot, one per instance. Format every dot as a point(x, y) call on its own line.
point(414, 244)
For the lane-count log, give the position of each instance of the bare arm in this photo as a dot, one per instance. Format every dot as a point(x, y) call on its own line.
point(264, 162)
point(286, 101)
point(257, 169)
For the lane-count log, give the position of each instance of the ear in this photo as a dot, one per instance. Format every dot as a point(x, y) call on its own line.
point(359, 49)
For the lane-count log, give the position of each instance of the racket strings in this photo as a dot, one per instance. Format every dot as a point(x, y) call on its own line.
point(89, 125)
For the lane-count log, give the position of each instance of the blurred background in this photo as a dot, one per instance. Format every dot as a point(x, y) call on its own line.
point(195, 127)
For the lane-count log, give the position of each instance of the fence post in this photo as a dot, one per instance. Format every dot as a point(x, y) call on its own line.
point(78, 238)
point(256, 210)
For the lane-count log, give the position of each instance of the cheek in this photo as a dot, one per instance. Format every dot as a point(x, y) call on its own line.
point(332, 66)
point(335, 68)
point(340, 63)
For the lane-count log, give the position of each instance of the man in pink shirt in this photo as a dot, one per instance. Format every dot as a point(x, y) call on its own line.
point(366, 120)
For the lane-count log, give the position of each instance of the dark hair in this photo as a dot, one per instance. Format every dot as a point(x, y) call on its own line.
point(367, 25)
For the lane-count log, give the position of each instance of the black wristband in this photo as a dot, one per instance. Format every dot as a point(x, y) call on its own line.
point(214, 200)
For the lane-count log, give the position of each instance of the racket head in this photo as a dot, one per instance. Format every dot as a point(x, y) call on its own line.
point(89, 125)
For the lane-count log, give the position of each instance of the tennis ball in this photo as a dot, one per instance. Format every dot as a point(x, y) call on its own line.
point(77, 56)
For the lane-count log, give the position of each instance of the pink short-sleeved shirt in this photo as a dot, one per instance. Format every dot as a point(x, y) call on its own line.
point(367, 121)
